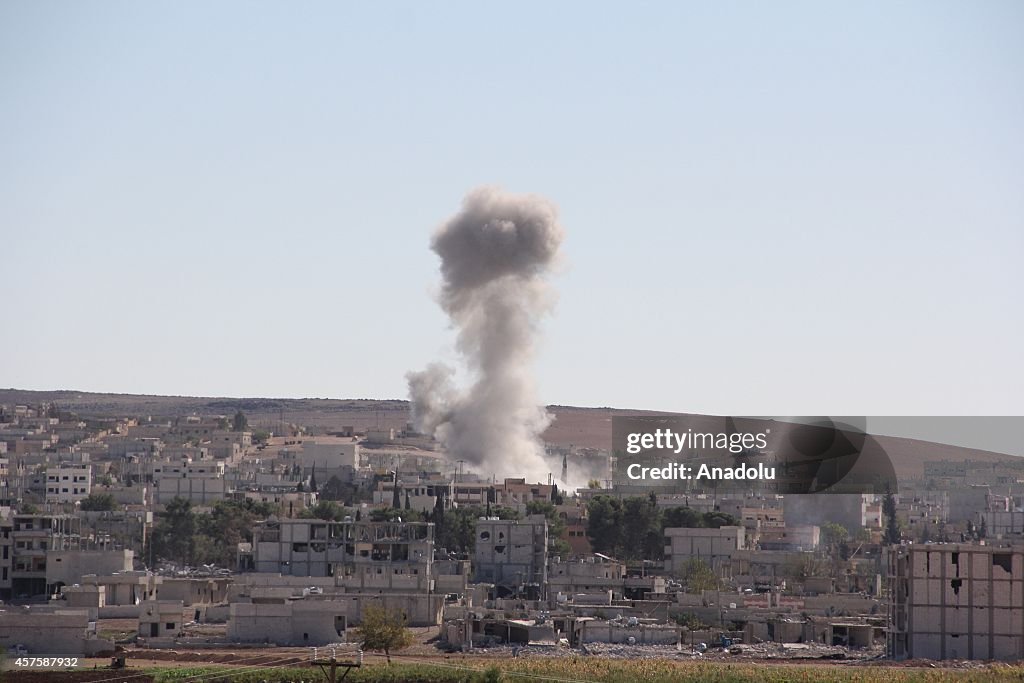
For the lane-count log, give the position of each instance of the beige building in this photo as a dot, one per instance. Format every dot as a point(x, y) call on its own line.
point(716, 547)
point(287, 622)
point(160, 622)
point(1005, 523)
point(372, 554)
point(202, 483)
point(511, 493)
point(329, 453)
point(67, 567)
point(68, 483)
point(512, 553)
point(591, 574)
point(49, 631)
point(956, 601)
point(124, 589)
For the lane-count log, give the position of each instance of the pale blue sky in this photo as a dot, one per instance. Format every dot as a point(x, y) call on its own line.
point(771, 208)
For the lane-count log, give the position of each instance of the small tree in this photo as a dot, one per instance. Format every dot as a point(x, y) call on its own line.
point(98, 502)
point(697, 576)
point(239, 423)
point(384, 630)
point(325, 509)
point(834, 534)
point(556, 525)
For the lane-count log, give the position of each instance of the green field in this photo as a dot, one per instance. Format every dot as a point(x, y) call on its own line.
point(583, 670)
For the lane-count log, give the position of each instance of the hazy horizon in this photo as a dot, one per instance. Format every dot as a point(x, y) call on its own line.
point(996, 434)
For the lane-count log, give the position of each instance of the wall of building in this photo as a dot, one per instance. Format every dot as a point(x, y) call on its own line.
point(511, 552)
point(605, 632)
point(67, 567)
point(716, 547)
point(197, 490)
point(366, 551)
point(956, 601)
point(310, 621)
point(50, 632)
point(288, 623)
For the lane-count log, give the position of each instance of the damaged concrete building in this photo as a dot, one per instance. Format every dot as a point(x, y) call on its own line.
point(512, 554)
point(956, 601)
point(362, 550)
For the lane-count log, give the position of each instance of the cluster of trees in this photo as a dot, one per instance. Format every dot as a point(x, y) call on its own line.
point(557, 545)
point(329, 510)
point(697, 575)
point(634, 528)
point(334, 489)
point(98, 502)
point(184, 536)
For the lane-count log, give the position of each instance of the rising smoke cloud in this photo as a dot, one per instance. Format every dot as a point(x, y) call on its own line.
point(496, 253)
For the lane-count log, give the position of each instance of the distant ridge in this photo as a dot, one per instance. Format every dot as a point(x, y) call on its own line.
point(580, 426)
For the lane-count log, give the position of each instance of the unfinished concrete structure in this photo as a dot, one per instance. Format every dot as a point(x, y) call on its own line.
point(195, 591)
point(124, 591)
point(373, 551)
point(956, 601)
point(594, 573)
point(512, 553)
point(41, 553)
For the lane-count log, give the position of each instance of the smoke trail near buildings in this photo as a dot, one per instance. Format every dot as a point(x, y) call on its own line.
point(495, 255)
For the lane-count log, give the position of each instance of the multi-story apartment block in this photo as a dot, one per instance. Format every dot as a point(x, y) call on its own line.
point(201, 482)
point(372, 555)
point(68, 482)
point(512, 554)
point(956, 601)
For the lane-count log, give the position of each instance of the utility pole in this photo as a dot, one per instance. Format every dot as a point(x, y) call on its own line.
point(329, 666)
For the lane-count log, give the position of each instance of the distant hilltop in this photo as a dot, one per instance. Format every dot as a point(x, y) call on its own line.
point(577, 426)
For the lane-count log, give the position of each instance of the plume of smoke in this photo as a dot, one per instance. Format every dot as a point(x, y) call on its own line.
point(432, 395)
point(495, 255)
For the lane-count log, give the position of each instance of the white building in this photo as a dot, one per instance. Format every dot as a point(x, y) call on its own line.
point(329, 453)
